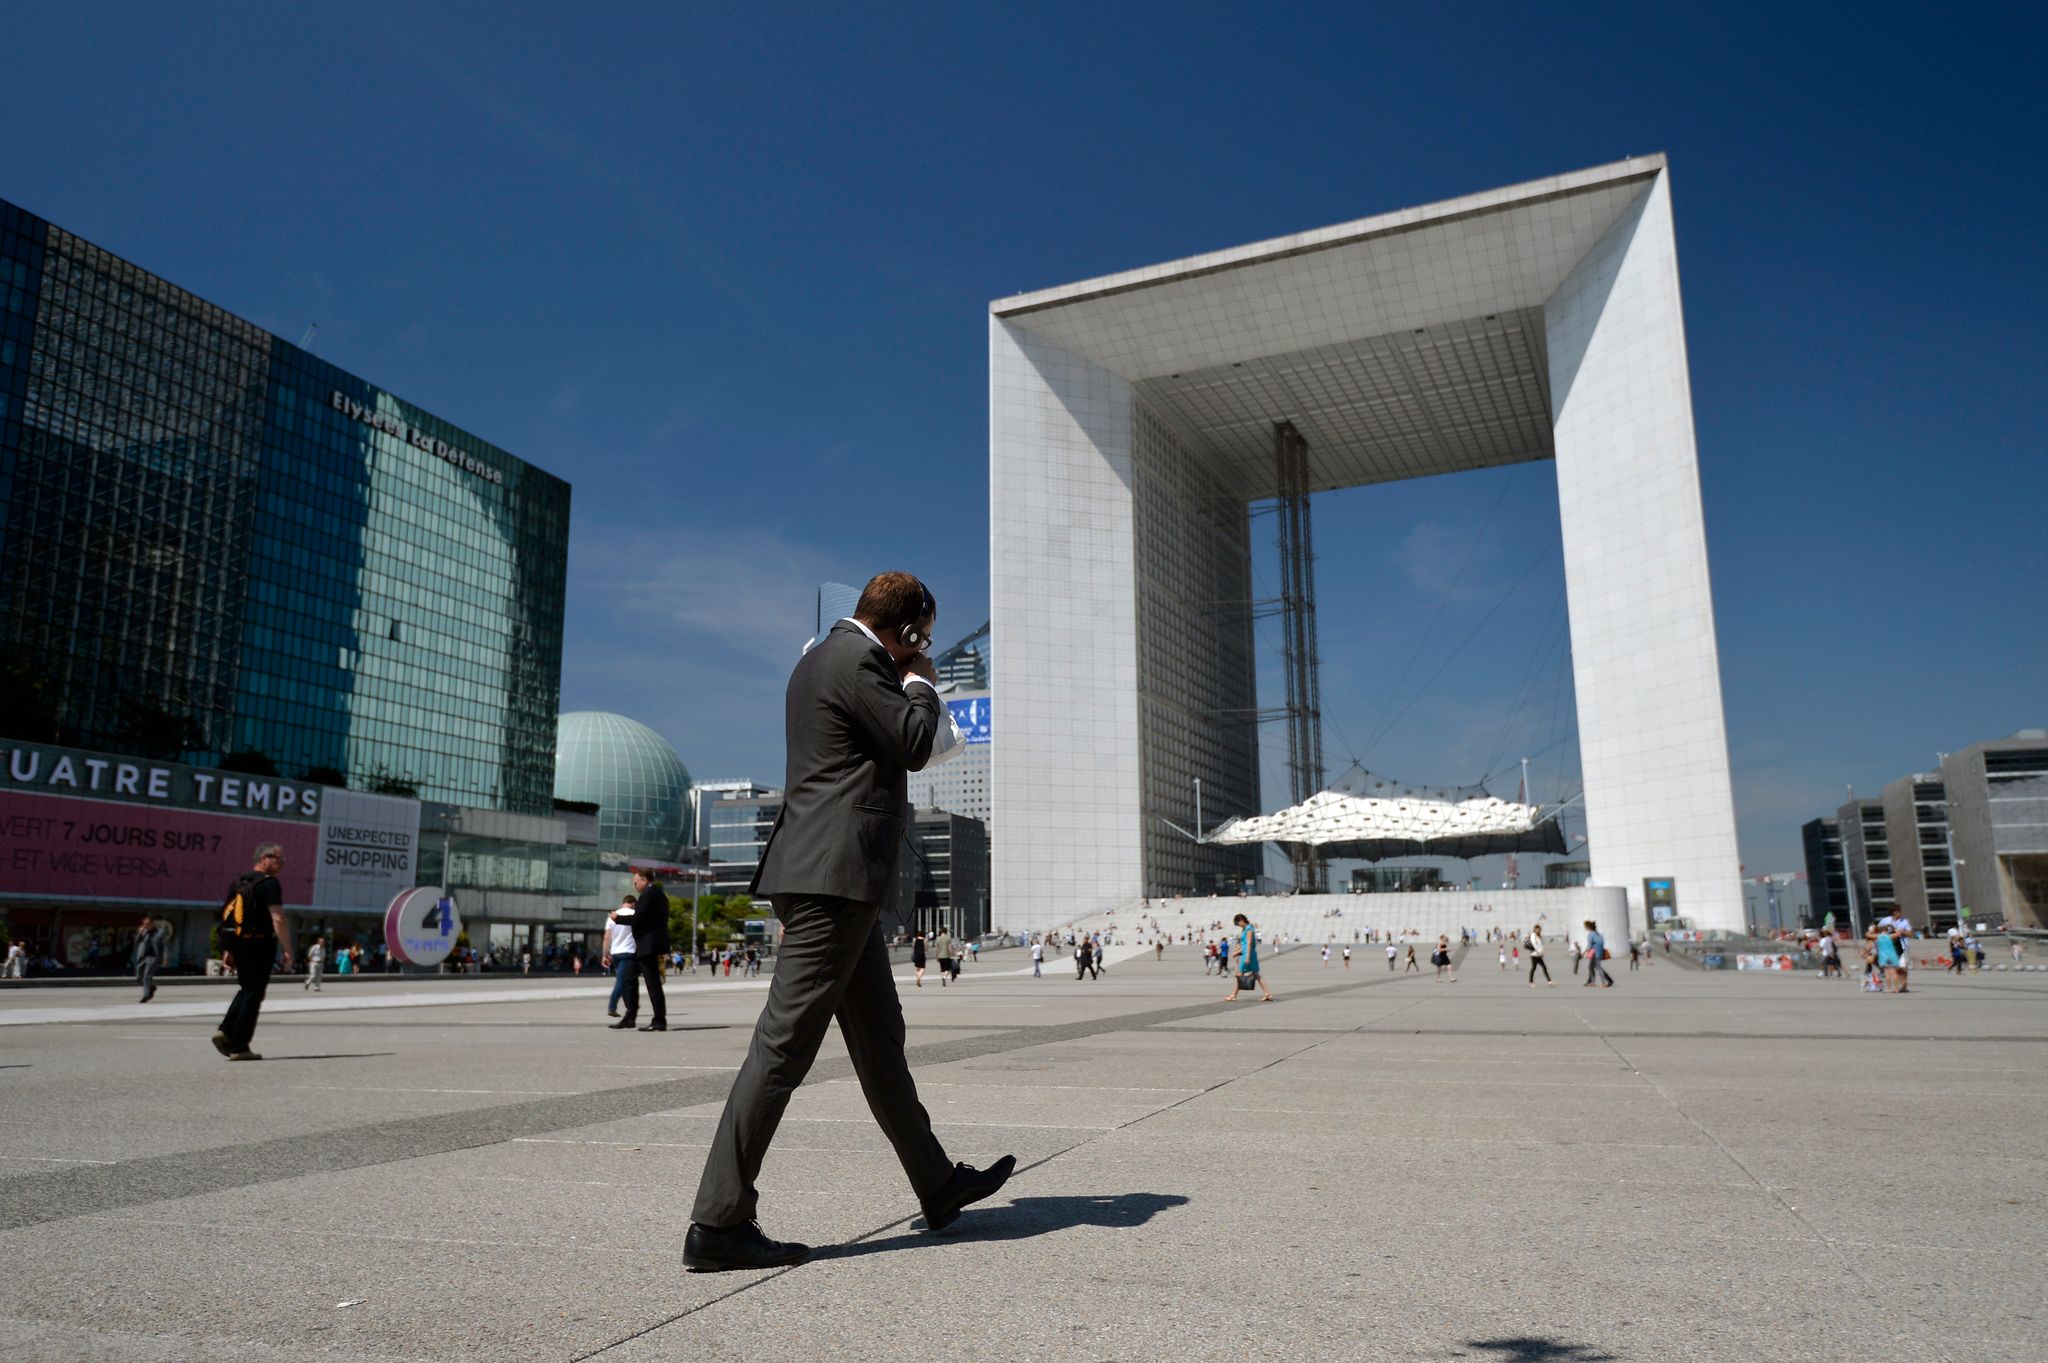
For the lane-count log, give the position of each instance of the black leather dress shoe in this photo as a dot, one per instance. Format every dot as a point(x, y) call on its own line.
point(624, 1024)
point(968, 1186)
point(655, 1027)
point(706, 1249)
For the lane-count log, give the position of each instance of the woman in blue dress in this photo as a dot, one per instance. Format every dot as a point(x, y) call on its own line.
point(1888, 959)
point(1247, 961)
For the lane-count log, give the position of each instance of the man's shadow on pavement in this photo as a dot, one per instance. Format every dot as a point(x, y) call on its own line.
point(1022, 1219)
point(1538, 1349)
point(332, 1055)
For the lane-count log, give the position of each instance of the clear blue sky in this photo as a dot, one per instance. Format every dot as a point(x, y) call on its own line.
point(726, 269)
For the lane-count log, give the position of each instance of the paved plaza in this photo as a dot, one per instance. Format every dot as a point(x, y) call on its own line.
point(1691, 1165)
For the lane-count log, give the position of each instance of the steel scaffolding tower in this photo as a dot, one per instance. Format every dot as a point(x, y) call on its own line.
point(1304, 708)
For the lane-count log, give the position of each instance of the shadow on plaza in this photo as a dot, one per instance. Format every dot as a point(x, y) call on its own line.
point(1022, 1219)
point(1538, 1349)
point(331, 1055)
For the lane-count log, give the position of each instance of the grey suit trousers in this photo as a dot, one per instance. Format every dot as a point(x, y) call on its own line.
point(831, 964)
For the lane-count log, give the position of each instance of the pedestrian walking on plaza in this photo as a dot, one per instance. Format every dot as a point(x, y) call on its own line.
point(1577, 956)
point(316, 964)
point(1635, 954)
point(1596, 952)
point(860, 714)
point(253, 932)
point(1326, 955)
point(1888, 957)
point(1037, 958)
point(1410, 964)
point(1441, 959)
point(942, 947)
point(2019, 953)
point(1902, 934)
point(618, 958)
point(149, 954)
point(1829, 956)
point(1533, 944)
point(1347, 958)
point(1393, 954)
point(650, 943)
point(1503, 957)
point(917, 956)
point(1247, 962)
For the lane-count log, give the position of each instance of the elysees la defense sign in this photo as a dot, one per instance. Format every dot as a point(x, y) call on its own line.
point(85, 827)
point(414, 436)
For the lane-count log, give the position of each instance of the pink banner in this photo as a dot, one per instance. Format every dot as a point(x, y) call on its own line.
point(55, 846)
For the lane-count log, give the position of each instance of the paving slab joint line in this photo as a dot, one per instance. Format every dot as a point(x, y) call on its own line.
point(1021, 1169)
point(1834, 1247)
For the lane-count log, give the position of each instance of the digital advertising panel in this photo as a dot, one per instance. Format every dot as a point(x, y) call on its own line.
point(84, 828)
point(974, 718)
point(61, 848)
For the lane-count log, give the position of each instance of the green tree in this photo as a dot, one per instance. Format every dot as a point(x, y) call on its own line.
point(381, 780)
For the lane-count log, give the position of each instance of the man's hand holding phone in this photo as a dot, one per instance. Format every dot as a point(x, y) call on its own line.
point(919, 665)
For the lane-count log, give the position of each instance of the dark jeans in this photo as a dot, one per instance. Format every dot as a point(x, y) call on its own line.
point(145, 975)
point(650, 975)
point(1536, 963)
point(1596, 971)
point(253, 964)
point(832, 964)
point(626, 985)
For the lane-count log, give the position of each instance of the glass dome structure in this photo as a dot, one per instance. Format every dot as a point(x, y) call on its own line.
point(631, 774)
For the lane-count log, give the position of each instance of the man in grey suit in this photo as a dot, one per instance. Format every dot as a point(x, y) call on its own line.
point(150, 946)
point(859, 716)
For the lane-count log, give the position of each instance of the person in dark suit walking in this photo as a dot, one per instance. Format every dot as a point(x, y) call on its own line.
point(859, 715)
point(650, 944)
point(148, 955)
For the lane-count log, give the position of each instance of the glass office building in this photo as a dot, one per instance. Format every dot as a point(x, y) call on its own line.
point(219, 549)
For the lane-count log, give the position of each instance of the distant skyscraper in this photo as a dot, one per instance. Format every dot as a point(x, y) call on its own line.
point(967, 662)
point(836, 601)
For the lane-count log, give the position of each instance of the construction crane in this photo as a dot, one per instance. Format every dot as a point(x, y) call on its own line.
point(1772, 883)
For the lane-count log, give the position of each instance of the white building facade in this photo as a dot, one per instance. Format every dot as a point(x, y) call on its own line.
point(961, 784)
point(1132, 423)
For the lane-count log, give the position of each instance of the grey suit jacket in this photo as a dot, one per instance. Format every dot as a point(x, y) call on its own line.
point(854, 735)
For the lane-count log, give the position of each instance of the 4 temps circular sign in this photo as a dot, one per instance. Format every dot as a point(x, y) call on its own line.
point(421, 925)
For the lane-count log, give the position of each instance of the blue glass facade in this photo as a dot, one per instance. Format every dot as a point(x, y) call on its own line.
point(218, 548)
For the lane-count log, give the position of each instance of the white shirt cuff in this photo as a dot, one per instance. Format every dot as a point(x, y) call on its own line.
point(920, 681)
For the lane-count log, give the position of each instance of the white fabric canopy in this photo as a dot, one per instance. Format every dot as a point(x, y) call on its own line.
point(1371, 827)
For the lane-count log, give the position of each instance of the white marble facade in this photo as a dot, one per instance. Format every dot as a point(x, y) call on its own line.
point(1541, 321)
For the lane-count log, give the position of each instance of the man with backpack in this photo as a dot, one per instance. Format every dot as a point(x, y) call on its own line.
point(252, 931)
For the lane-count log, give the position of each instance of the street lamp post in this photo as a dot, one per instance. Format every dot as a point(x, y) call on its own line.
point(1955, 863)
